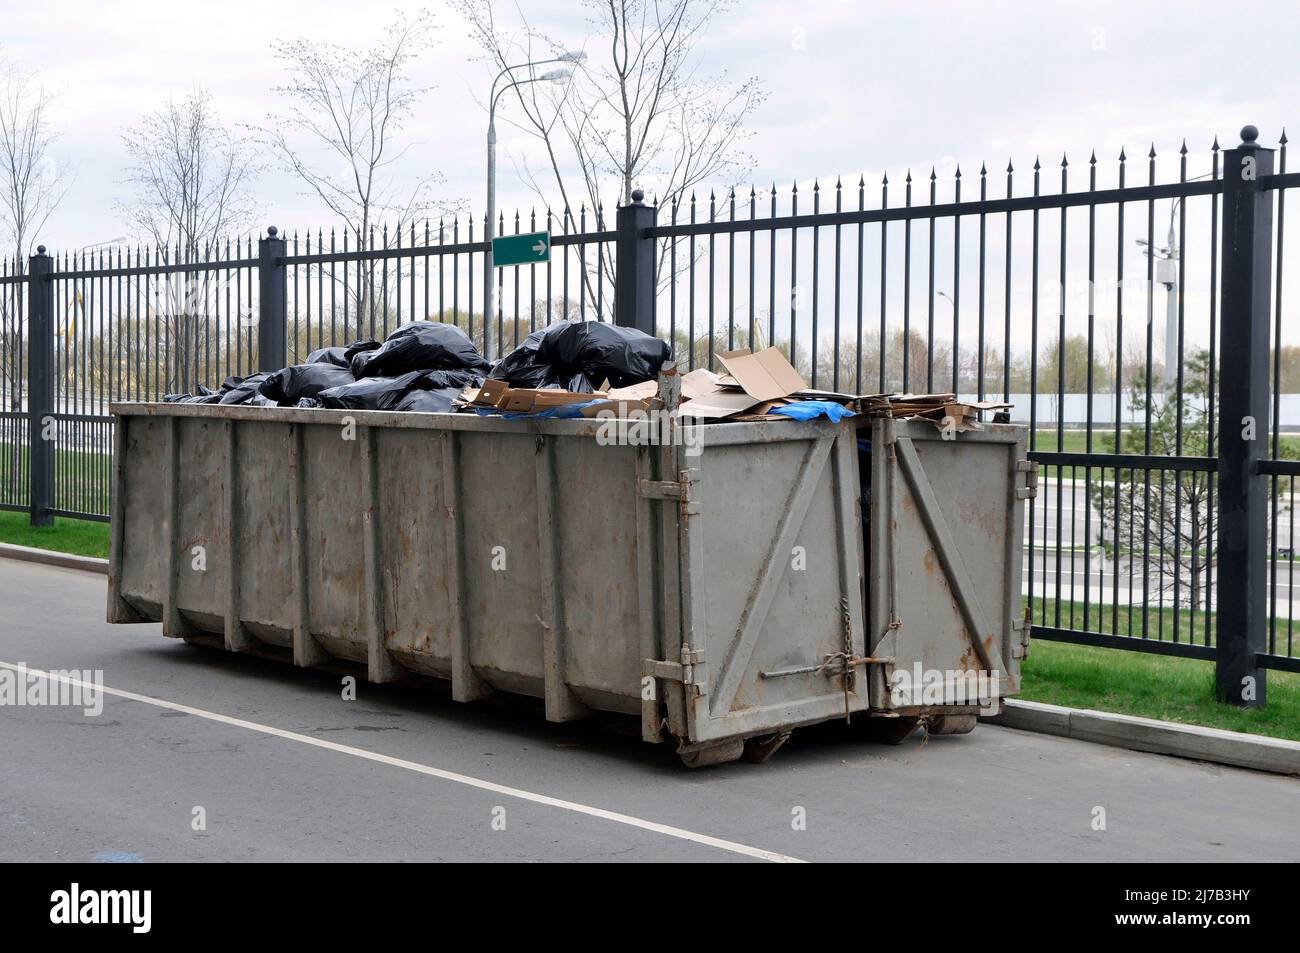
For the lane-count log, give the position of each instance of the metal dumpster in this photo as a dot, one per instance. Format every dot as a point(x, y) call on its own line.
point(724, 589)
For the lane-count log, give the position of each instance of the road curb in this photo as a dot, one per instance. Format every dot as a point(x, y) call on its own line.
point(49, 557)
point(1234, 748)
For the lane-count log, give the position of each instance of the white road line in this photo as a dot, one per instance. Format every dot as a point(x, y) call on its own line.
point(465, 779)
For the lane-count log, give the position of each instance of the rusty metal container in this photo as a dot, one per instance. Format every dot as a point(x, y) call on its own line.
point(724, 590)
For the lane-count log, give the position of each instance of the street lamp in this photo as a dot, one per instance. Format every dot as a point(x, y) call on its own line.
point(1166, 273)
point(555, 76)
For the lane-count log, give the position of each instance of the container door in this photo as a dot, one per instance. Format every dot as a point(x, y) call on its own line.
point(945, 529)
point(769, 553)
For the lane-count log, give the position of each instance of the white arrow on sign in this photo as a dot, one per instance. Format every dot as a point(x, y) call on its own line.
point(540, 247)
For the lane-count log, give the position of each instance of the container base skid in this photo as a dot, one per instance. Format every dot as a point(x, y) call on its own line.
point(720, 587)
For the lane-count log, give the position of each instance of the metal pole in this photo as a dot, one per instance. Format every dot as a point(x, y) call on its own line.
point(489, 273)
point(634, 281)
point(1171, 307)
point(273, 299)
point(41, 432)
point(1242, 617)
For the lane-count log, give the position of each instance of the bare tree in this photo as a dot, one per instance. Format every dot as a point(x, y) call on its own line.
point(340, 133)
point(33, 185)
point(189, 176)
point(639, 111)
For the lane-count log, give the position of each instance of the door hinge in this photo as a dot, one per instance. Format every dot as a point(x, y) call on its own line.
point(690, 671)
point(1030, 489)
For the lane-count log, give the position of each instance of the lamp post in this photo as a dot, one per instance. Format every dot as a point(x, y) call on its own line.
point(1166, 273)
point(489, 274)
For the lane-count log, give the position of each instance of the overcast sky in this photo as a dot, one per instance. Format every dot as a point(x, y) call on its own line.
point(853, 86)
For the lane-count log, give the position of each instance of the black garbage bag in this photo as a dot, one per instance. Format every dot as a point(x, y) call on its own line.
point(623, 356)
point(289, 384)
point(340, 356)
point(580, 356)
point(385, 393)
point(242, 390)
point(436, 401)
point(523, 367)
point(201, 395)
point(420, 345)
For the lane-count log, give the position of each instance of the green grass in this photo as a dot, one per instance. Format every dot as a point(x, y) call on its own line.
point(1153, 686)
point(81, 537)
point(81, 478)
point(1125, 620)
point(1103, 440)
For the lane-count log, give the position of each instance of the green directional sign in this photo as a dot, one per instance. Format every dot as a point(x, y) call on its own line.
point(530, 249)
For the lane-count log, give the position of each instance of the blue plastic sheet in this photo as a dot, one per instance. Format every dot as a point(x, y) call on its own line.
point(561, 412)
point(812, 409)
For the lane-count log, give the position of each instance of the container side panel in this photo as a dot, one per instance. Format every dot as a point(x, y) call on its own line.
point(202, 540)
point(595, 521)
point(144, 535)
point(261, 550)
point(332, 513)
point(503, 595)
point(413, 544)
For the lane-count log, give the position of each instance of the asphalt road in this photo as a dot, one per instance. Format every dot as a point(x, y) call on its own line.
point(286, 770)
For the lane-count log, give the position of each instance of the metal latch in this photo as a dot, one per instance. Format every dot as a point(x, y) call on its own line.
point(673, 490)
point(1030, 490)
point(663, 490)
point(689, 671)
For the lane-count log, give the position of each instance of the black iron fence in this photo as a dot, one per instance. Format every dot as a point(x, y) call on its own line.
point(1130, 310)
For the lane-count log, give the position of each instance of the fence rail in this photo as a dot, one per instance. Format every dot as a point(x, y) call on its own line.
point(870, 289)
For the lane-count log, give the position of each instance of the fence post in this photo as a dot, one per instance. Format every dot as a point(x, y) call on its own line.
point(273, 299)
point(1242, 617)
point(40, 387)
point(634, 274)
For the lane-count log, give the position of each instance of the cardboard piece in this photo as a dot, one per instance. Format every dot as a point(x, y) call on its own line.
point(719, 404)
point(527, 400)
point(523, 400)
point(621, 408)
point(766, 375)
point(634, 392)
point(700, 382)
point(490, 394)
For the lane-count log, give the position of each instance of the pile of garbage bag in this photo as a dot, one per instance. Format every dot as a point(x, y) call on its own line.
point(423, 365)
point(427, 366)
